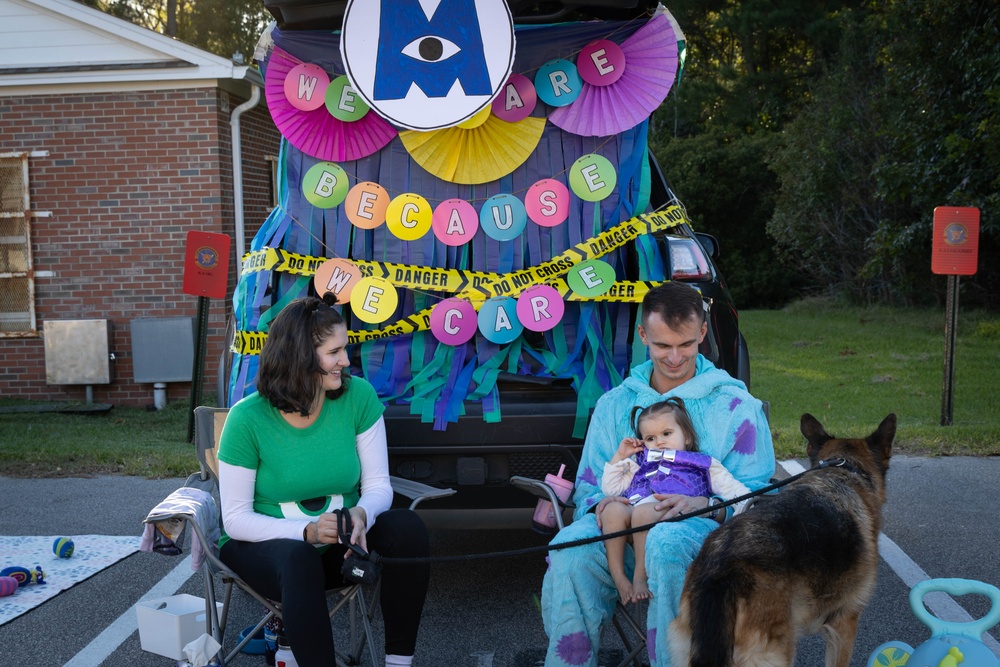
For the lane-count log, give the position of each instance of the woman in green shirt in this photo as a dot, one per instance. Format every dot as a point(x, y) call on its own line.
point(312, 440)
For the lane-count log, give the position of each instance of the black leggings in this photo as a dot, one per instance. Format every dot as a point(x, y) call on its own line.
point(297, 574)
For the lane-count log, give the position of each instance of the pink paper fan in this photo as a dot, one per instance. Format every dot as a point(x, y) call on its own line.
point(650, 67)
point(316, 132)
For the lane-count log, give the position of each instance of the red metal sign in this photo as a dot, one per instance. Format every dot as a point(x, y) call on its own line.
point(206, 264)
point(955, 250)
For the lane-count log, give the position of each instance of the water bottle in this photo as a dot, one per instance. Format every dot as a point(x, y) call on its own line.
point(544, 519)
point(272, 629)
point(284, 657)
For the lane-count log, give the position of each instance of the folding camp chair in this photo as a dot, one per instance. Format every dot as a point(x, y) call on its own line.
point(208, 428)
point(632, 634)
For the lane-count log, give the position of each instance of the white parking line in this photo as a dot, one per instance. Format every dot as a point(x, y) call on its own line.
point(106, 643)
point(483, 658)
point(940, 604)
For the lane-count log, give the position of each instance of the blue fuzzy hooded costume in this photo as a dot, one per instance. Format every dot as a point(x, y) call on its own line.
point(578, 594)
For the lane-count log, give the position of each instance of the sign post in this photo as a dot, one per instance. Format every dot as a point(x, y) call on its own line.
point(955, 252)
point(206, 271)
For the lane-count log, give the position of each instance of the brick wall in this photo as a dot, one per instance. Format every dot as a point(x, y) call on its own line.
point(127, 176)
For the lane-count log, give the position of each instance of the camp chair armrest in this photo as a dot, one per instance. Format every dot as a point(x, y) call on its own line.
point(539, 488)
point(417, 492)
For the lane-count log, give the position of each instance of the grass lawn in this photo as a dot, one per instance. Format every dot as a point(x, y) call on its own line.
point(850, 367)
point(123, 441)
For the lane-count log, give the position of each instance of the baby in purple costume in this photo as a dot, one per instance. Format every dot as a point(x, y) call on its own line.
point(669, 471)
point(663, 459)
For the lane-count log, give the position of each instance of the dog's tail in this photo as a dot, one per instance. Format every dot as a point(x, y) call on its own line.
point(713, 620)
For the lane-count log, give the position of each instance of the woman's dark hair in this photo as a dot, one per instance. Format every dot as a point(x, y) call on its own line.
point(289, 369)
point(672, 405)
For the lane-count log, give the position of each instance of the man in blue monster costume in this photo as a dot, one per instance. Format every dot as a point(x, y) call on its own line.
point(578, 593)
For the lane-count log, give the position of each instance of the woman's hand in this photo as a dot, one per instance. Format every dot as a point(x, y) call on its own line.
point(324, 530)
point(604, 502)
point(359, 528)
point(675, 503)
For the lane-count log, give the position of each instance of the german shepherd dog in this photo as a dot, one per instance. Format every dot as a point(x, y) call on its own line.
point(795, 563)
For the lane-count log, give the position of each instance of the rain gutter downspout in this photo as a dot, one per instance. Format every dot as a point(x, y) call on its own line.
point(234, 124)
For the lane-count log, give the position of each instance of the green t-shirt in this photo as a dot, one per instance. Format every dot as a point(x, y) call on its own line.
point(301, 473)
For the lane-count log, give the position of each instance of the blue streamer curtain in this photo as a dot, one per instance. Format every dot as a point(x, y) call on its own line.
point(590, 347)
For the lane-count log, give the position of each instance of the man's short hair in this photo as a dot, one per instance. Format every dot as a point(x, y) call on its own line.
point(675, 302)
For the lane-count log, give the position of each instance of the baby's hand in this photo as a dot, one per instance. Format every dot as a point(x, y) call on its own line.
point(629, 447)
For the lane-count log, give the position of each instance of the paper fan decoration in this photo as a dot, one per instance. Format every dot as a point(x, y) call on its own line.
point(650, 66)
point(316, 132)
point(476, 155)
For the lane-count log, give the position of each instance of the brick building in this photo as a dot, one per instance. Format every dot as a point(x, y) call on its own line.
point(115, 141)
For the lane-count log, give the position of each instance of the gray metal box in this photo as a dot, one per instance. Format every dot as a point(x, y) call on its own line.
point(162, 349)
point(77, 352)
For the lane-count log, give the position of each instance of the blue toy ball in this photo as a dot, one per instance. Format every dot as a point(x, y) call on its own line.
point(8, 585)
point(952, 644)
point(63, 547)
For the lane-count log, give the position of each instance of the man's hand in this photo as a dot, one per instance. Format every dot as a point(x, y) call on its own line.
point(604, 502)
point(675, 503)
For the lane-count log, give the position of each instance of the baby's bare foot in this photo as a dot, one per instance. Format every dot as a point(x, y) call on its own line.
point(640, 590)
point(624, 589)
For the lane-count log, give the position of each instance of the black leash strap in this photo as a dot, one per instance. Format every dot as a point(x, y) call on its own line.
point(831, 463)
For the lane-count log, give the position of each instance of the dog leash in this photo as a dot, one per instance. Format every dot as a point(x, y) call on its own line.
point(378, 559)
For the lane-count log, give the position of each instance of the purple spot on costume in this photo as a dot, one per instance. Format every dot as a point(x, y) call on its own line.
point(574, 648)
point(588, 476)
point(746, 438)
point(733, 404)
point(651, 644)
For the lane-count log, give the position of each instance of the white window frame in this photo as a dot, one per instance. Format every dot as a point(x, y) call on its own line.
point(26, 214)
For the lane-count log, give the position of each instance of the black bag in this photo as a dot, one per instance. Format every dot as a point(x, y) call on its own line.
point(360, 566)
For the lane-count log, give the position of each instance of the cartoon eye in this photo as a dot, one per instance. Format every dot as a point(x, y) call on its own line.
point(431, 49)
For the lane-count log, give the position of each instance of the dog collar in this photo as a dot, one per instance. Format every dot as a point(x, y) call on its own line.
point(841, 462)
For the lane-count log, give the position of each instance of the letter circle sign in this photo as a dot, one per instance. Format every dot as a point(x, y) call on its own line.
point(427, 64)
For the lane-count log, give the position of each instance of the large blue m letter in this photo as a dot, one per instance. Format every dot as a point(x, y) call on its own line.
point(430, 51)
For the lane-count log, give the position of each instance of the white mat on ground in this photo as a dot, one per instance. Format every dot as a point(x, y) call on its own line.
point(92, 554)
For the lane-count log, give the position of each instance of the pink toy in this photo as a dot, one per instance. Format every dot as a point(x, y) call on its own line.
point(8, 586)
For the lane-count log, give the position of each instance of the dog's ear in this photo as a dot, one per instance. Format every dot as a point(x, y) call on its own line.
point(815, 435)
point(880, 442)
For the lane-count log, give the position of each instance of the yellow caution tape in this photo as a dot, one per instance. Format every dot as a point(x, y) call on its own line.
point(474, 286)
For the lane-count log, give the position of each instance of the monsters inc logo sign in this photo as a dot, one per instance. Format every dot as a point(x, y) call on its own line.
point(427, 64)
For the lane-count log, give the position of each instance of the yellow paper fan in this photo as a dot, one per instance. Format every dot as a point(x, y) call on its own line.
point(476, 155)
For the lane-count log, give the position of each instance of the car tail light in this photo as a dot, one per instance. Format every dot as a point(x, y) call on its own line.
point(688, 260)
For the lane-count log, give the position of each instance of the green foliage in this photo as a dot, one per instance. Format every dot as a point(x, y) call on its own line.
point(226, 27)
point(850, 366)
point(944, 133)
point(988, 329)
point(877, 112)
point(222, 27)
point(705, 169)
point(904, 121)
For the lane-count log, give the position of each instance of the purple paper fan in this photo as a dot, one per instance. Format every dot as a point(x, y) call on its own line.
point(316, 132)
point(650, 68)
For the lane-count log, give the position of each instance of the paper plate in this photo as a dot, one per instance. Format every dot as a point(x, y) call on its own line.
point(650, 68)
point(316, 132)
point(477, 155)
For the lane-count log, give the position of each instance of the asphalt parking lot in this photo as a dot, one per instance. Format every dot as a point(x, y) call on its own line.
point(940, 521)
